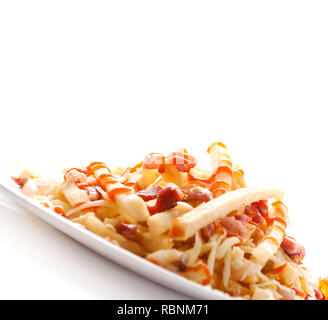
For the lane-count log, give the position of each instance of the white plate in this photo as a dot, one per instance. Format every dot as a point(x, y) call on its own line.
point(111, 251)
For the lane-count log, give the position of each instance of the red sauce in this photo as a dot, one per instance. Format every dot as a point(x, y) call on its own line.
point(273, 240)
point(222, 169)
point(115, 191)
point(281, 229)
point(130, 183)
point(300, 293)
point(17, 180)
point(60, 211)
point(84, 185)
point(220, 184)
point(84, 171)
point(279, 269)
point(220, 144)
point(137, 166)
point(176, 231)
point(277, 218)
point(126, 171)
point(281, 220)
point(201, 268)
point(218, 192)
point(107, 179)
point(154, 262)
point(79, 204)
point(96, 165)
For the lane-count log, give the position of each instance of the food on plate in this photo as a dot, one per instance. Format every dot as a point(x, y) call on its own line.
point(206, 226)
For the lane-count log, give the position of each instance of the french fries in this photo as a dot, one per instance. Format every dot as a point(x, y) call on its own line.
point(133, 205)
point(206, 226)
point(186, 226)
point(153, 243)
point(162, 222)
point(93, 224)
point(73, 194)
point(164, 257)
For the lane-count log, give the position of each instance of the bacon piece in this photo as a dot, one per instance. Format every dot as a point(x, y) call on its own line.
point(294, 250)
point(20, 181)
point(167, 197)
point(253, 212)
point(183, 161)
point(208, 231)
point(243, 218)
point(152, 208)
point(128, 231)
point(197, 195)
point(262, 205)
point(258, 219)
point(93, 193)
point(318, 294)
point(149, 193)
point(182, 264)
point(234, 227)
point(75, 175)
point(153, 161)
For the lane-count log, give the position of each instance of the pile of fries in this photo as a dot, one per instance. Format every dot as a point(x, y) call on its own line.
point(206, 226)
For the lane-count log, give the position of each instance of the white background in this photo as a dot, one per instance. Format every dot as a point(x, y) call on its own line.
point(112, 81)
